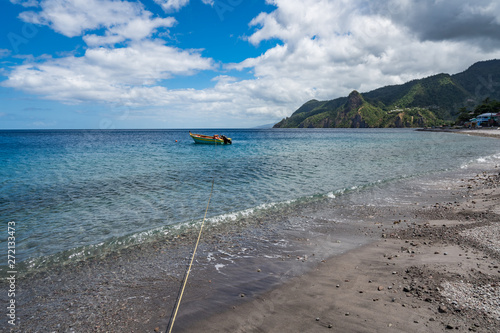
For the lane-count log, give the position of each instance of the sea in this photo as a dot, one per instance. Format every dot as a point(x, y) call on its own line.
point(75, 194)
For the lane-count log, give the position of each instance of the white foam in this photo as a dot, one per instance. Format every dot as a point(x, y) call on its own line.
point(247, 212)
point(218, 267)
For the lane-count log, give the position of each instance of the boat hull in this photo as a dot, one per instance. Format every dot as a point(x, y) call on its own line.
point(205, 139)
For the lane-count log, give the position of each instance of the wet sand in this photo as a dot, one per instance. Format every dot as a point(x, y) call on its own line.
point(439, 275)
point(409, 256)
point(440, 272)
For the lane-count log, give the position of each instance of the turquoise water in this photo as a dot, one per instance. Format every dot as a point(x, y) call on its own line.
point(72, 191)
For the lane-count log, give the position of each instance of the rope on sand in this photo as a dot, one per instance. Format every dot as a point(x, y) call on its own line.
point(186, 276)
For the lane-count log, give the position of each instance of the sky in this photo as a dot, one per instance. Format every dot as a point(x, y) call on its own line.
point(112, 64)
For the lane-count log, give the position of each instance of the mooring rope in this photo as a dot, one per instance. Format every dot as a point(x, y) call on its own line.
point(186, 276)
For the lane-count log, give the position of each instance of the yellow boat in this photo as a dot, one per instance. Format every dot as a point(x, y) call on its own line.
point(212, 140)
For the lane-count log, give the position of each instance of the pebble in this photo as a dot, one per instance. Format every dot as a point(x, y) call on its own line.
point(443, 309)
point(380, 288)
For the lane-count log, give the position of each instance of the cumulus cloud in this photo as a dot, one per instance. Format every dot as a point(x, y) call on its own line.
point(121, 20)
point(477, 21)
point(171, 5)
point(334, 46)
point(105, 74)
point(72, 17)
point(25, 3)
point(175, 5)
point(135, 29)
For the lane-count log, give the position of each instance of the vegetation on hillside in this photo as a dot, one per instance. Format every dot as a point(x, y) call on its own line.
point(433, 101)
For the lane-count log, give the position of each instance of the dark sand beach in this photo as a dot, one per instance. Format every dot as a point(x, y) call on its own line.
point(424, 260)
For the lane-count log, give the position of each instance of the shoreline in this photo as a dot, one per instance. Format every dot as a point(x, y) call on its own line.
point(275, 273)
point(489, 132)
point(431, 276)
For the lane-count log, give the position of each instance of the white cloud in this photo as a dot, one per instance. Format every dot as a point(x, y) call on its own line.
point(334, 46)
point(105, 74)
point(73, 17)
point(174, 5)
point(134, 29)
point(25, 3)
point(171, 5)
point(122, 20)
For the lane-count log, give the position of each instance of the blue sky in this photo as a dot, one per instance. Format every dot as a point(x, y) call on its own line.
point(221, 63)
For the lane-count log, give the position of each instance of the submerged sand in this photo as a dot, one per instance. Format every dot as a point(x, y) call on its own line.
point(426, 261)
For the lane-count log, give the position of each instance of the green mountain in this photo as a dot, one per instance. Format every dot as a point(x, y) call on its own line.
point(430, 101)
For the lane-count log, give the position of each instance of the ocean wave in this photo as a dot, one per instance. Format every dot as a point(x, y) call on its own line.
point(482, 160)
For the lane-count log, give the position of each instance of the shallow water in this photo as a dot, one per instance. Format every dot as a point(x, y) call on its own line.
point(75, 194)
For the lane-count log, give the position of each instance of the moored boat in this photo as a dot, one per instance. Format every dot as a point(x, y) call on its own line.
point(214, 139)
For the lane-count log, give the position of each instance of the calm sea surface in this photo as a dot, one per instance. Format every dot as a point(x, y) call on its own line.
point(74, 193)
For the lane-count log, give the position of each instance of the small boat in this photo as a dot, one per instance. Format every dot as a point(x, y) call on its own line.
point(214, 139)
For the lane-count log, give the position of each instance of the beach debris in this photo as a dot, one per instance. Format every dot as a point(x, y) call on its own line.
point(380, 288)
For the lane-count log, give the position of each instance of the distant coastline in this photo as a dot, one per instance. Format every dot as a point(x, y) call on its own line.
point(490, 132)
